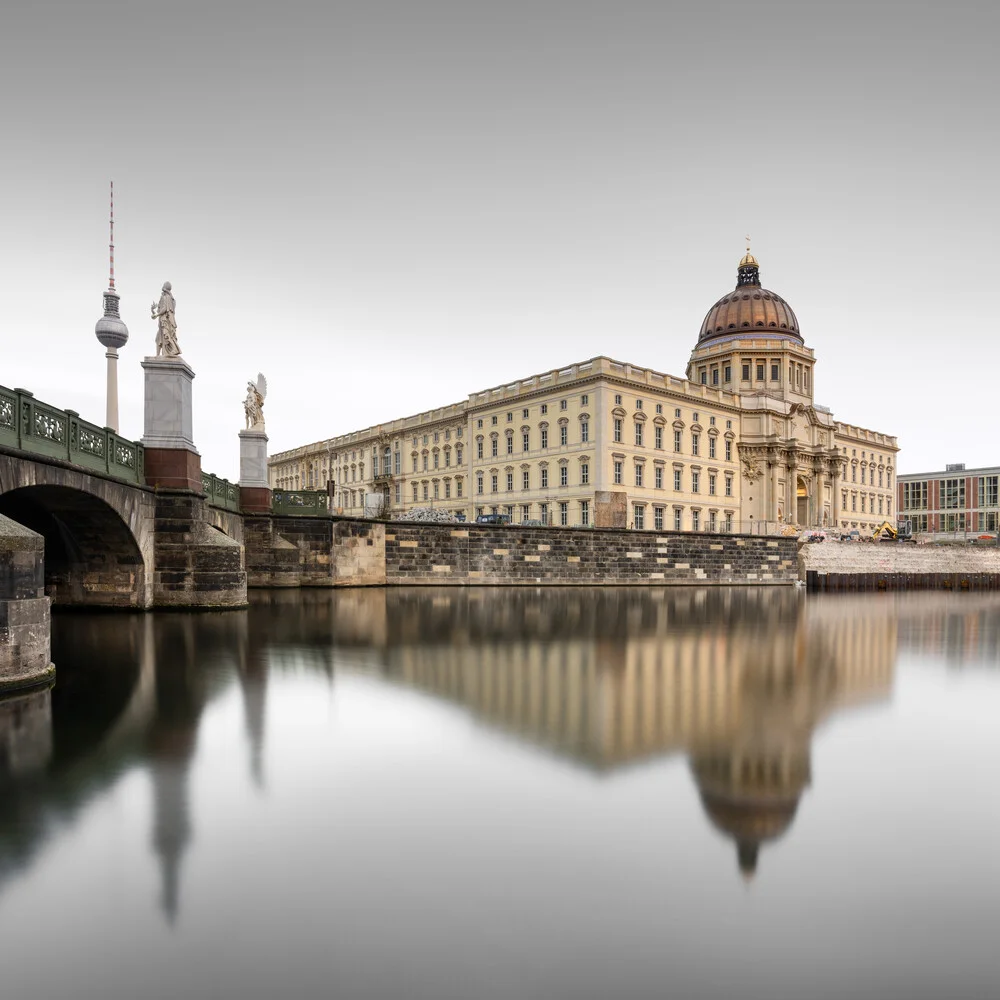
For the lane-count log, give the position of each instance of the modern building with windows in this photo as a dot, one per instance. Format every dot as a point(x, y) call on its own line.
point(736, 445)
point(955, 500)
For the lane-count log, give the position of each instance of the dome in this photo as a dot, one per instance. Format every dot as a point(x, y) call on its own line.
point(749, 310)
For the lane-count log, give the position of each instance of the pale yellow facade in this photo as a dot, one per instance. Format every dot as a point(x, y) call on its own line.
point(737, 445)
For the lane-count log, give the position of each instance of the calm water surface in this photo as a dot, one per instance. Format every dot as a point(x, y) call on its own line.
point(510, 793)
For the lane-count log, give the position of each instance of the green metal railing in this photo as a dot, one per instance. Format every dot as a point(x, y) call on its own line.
point(30, 425)
point(300, 503)
point(220, 492)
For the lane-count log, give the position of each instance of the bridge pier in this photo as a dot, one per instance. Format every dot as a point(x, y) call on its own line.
point(24, 609)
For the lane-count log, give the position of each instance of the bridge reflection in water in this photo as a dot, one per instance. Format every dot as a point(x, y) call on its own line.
point(738, 680)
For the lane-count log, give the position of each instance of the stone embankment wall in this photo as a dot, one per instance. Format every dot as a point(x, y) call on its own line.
point(339, 552)
point(899, 566)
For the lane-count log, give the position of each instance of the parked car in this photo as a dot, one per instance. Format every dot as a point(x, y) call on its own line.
point(493, 519)
point(813, 536)
point(851, 536)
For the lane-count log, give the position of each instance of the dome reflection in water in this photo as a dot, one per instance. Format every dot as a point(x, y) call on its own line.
point(500, 792)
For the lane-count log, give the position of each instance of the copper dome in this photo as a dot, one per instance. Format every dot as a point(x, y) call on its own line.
point(749, 310)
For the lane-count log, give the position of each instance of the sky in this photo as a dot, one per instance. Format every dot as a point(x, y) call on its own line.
point(386, 206)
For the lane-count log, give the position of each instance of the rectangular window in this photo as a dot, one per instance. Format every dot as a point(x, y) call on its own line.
point(729, 451)
point(677, 441)
point(585, 474)
point(727, 374)
point(585, 400)
point(638, 474)
point(696, 520)
point(760, 372)
point(493, 422)
point(510, 444)
point(677, 519)
point(563, 475)
point(510, 417)
point(863, 504)
point(618, 429)
point(437, 459)
point(397, 460)
point(638, 404)
point(563, 513)
point(458, 456)
point(493, 483)
point(729, 486)
point(677, 480)
point(479, 483)
point(618, 399)
point(774, 373)
point(584, 431)
point(585, 513)
point(854, 501)
point(638, 435)
point(715, 376)
point(458, 487)
point(543, 513)
point(712, 520)
point(695, 482)
point(638, 516)
point(658, 437)
point(479, 452)
point(618, 473)
point(524, 413)
point(703, 376)
point(953, 494)
point(658, 519)
point(711, 447)
point(658, 477)
point(447, 459)
point(525, 441)
point(415, 488)
point(564, 435)
point(544, 408)
point(545, 437)
point(525, 511)
point(711, 485)
point(525, 480)
point(562, 404)
point(694, 444)
point(545, 478)
point(426, 497)
point(494, 447)
point(447, 489)
point(510, 481)
point(746, 372)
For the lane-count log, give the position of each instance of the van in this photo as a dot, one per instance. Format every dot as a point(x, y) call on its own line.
point(493, 519)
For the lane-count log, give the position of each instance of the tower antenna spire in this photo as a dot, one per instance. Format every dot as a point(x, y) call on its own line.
point(112, 244)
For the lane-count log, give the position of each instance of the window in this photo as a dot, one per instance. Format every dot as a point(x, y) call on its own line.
point(562, 404)
point(711, 447)
point(703, 376)
point(618, 399)
point(543, 513)
point(563, 435)
point(694, 444)
point(677, 441)
point(493, 421)
point(729, 451)
point(774, 372)
point(618, 430)
point(658, 437)
point(458, 456)
point(746, 372)
point(545, 437)
point(585, 513)
point(728, 524)
point(437, 459)
point(436, 488)
point(760, 372)
point(494, 447)
point(658, 518)
point(711, 484)
point(584, 431)
point(563, 475)
point(880, 476)
point(397, 462)
point(677, 480)
point(638, 404)
point(585, 474)
point(510, 416)
point(525, 511)
point(658, 477)
point(399, 493)
point(544, 408)
point(677, 519)
point(458, 432)
point(545, 478)
point(458, 487)
point(638, 435)
point(659, 407)
point(863, 504)
point(953, 494)
point(585, 400)
point(638, 474)
point(525, 441)
point(638, 516)
point(425, 462)
point(727, 374)
point(479, 450)
point(696, 520)
point(854, 501)
point(414, 493)
point(729, 486)
point(695, 482)
point(510, 444)
point(479, 482)
point(426, 495)
point(563, 513)
point(524, 413)
point(715, 376)
point(862, 475)
point(510, 481)
point(525, 479)
point(493, 483)
point(677, 414)
point(618, 473)
point(987, 490)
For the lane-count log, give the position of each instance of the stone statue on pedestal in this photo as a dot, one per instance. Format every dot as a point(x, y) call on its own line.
point(253, 405)
point(166, 331)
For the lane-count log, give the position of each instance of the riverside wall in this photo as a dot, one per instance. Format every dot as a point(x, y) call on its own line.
point(832, 566)
point(344, 552)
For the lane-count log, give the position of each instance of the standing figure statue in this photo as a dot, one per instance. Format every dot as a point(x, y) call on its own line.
point(166, 331)
point(253, 405)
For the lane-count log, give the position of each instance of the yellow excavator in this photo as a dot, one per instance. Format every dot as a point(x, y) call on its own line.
point(889, 532)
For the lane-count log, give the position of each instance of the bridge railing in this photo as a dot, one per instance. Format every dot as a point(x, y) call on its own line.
point(300, 503)
point(30, 425)
point(220, 492)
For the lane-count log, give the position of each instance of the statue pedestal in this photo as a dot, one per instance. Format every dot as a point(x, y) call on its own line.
point(171, 459)
point(255, 491)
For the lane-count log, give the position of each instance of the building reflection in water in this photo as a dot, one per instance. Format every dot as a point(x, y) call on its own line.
point(737, 679)
point(963, 628)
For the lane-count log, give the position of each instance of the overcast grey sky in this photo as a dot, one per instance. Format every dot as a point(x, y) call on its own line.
point(386, 206)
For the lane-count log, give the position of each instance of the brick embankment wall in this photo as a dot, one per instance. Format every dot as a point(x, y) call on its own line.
point(495, 554)
point(898, 566)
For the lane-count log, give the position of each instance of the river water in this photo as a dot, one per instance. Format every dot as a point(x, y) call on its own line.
point(509, 793)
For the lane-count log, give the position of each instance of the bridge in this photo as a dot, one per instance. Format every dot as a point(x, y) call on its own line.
point(89, 518)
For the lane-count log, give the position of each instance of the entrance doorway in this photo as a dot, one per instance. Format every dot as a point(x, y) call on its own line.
point(801, 502)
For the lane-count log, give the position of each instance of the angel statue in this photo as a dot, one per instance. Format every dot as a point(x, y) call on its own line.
point(166, 329)
point(253, 405)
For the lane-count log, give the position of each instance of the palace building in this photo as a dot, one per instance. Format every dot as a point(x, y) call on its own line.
point(736, 445)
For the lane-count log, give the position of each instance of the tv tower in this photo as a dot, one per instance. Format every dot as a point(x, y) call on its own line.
point(111, 331)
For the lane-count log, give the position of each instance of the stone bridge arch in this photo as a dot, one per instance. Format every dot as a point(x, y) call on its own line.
point(98, 532)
